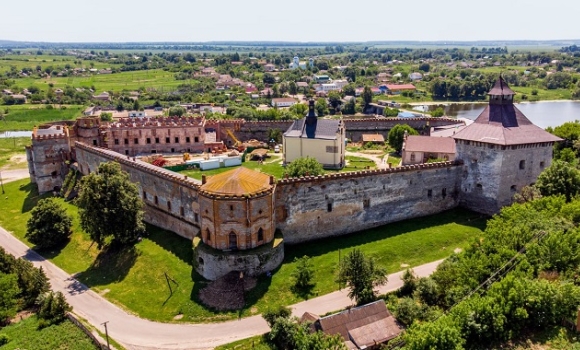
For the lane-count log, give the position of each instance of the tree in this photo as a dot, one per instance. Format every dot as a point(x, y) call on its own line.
point(107, 116)
point(268, 78)
point(425, 67)
point(136, 105)
point(9, 292)
point(176, 111)
point(367, 96)
point(52, 308)
point(321, 107)
point(391, 112)
point(303, 273)
point(349, 90)
point(437, 113)
point(560, 178)
point(397, 135)
point(110, 205)
point(292, 88)
point(49, 224)
point(305, 166)
point(272, 314)
point(361, 275)
point(334, 99)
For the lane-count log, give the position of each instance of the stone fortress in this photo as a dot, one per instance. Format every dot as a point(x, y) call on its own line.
point(240, 220)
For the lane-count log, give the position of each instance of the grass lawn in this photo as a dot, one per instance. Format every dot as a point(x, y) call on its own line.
point(25, 335)
point(10, 147)
point(25, 117)
point(134, 278)
point(254, 343)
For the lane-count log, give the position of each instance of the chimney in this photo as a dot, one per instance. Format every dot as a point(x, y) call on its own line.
point(271, 180)
point(203, 179)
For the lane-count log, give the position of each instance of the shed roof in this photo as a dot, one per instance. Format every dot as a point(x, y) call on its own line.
point(363, 326)
point(416, 143)
point(237, 182)
point(373, 138)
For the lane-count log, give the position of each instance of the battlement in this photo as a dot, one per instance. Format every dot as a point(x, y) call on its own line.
point(234, 197)
point(399, 120)
point(60, 133)
point(158, 122)
point(137, 164)
point(364, 173)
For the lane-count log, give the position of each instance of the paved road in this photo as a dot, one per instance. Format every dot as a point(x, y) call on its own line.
point(136, 333)
point(13, 175)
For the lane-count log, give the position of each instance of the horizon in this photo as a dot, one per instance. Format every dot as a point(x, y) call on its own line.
point(64, 21)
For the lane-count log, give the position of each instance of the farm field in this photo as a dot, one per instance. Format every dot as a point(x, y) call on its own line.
point(123, 276)
point(26, 117)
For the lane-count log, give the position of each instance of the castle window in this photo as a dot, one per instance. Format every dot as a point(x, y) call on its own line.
point(231, 207)
point(177, 140)
point(429, 193)
point(157, 140)
point(126, 141)
point(127, 152)
point(195, 217)
point(513, 188)
point(144, 195)
point(412, 157)
point(136, 141)
point(116, 141)
point(181, 211)
point(444, 192)
point(233, 240)
point(366, 203)
point(207, 235)
point(329, 207)
point(153, 151)
point(542, 164)
point(156, 200)
point(522, 164)
point(148, 140)
point(200, 260)
point(479, 186)
point(260, 235)
point(196, 139)
point(188, 139)
point(168, 205)
point(167, 140)
point(94, 142)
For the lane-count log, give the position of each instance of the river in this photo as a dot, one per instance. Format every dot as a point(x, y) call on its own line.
point(543, 114)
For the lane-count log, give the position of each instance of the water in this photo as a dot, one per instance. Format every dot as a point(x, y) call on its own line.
point(10, 134)
point(543, 114)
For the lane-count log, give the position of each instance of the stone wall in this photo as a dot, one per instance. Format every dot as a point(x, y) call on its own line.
point(355, 128)
point(213, 264)
point(317, 207)
point(171, 199)
point(492, 174)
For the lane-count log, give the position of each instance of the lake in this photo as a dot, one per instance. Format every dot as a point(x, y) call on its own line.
point(543, 114)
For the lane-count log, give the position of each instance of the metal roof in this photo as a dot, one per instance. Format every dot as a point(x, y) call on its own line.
point(237, 182)
point(416, 143)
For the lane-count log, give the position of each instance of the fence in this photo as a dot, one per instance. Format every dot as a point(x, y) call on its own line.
point(96, 340)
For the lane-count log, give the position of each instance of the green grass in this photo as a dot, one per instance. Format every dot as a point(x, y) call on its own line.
point(254, 343)
point(135, 279)
point(65, 336)
point(10, 147)
point(25, 117)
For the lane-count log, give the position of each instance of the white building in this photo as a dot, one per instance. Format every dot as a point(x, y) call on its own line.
point(296, 63)
point(283, 102)
point(321, 139)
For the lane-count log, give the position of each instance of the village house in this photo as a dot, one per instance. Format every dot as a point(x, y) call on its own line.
point(419, 149)
point(395, 89)
point(283, 102)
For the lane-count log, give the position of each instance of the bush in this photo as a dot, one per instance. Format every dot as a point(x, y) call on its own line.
point(272, 314)
point(4, 339)
point(306, 166)
point(303, 274)
point(52, 309)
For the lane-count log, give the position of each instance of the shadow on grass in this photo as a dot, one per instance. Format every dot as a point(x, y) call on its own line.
point(171, 242)
point(326, 245)
point(51, 253)
point(111, 265)
point(31, 196)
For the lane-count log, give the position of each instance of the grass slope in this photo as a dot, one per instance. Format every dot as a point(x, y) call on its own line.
point(135, 277)
point(26, 335)
point(10, 147)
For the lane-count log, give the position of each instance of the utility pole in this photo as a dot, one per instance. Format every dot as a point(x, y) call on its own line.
point(107, 334)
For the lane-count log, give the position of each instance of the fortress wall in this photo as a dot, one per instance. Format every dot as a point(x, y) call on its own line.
point(171, 199)
point(317, 207)
point(355, 128)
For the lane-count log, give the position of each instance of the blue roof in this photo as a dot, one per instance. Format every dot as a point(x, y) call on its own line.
point(406, 115)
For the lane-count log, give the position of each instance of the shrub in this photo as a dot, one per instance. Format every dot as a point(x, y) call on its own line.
point(49, 224)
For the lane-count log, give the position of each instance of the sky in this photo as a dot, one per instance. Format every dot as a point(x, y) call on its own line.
point(294, 20)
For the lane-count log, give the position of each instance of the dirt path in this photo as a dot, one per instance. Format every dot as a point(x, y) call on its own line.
point(13, 175)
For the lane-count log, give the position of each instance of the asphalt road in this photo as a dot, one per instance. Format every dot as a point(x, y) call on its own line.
point(136, 333)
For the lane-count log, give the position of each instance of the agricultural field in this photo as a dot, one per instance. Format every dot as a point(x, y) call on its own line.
point(123, 276)
point(26, 117)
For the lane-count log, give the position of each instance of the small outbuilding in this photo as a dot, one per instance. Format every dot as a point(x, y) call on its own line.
point(419, 149)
